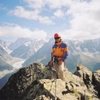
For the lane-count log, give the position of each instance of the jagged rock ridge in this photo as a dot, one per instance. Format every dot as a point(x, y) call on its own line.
point(38, 82)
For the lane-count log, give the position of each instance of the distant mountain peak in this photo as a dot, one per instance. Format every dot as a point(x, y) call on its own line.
point(24, 48)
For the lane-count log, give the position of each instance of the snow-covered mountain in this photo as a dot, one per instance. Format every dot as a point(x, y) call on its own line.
point(42, 55)
point(5, 45)
point(18, 43)
point(5, 58)
point(92, 46)
point(7, 62)
point(86, 52)
point(26, 47)
point(21, 49)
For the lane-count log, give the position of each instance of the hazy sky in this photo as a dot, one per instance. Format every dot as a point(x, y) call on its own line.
point(73, 19)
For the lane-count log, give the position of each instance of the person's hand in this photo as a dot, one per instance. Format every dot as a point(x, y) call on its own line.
point(51, 63)
point(60, 62)
point(59, 59)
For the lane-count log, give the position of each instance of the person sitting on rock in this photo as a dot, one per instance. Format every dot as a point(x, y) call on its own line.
point(58, 55)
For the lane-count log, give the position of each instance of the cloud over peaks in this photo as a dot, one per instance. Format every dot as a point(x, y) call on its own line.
point(17, 31)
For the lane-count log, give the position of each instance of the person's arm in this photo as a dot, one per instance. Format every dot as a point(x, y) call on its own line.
point(52, 55)
point(65, 52)
point(51, 61)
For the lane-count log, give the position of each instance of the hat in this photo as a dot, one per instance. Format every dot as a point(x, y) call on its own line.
point(56, 35)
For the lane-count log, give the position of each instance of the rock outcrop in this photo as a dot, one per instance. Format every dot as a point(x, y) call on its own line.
point(96, 81)
point(38, 82)
point(85, 74)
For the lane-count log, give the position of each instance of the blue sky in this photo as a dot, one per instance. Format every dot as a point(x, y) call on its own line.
point(73, 19)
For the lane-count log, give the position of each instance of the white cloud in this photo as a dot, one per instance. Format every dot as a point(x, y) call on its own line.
point(18, 31)
point(35, 10)
point(22, 12)
point(36, 3)
point(57, 4)
point(31, 15)
point(50, 3)
point(84, 15)
point(85, 20)
point(59, 13)
point(45, 20)
point(53, 4)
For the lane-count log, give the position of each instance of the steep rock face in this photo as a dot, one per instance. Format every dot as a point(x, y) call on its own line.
point(96, 81)
point(38, 82)
point(20, 81)
point(91, 79)
point(84, 73)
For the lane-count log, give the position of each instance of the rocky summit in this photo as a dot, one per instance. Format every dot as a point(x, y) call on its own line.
point(39, 82)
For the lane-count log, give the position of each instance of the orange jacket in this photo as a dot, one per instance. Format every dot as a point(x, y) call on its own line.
point(60, 51)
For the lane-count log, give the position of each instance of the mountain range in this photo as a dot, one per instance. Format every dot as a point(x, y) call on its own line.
point(17, 51)
point(25, 51)
point(5, 58)
point(86, 52)
point(13, 54)
point(24, 48)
